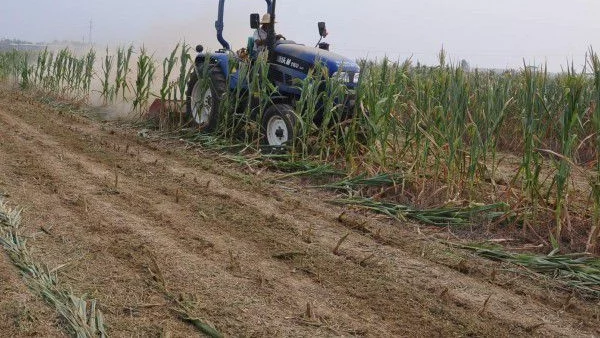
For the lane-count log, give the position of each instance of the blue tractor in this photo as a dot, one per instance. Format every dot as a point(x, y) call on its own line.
point(287, 61)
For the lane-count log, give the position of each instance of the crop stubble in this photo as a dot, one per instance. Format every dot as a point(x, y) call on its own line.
point(217, 239)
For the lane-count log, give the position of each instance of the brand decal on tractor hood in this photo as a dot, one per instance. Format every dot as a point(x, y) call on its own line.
point(292, 62)
point(304, 57)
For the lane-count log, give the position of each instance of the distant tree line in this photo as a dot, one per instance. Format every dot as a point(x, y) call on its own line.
point(14, 42)
point(18, 44)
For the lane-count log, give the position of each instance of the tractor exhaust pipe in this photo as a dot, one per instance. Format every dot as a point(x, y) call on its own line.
point(271, 31)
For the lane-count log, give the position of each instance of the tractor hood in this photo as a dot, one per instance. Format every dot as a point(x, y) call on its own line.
point(302, 58)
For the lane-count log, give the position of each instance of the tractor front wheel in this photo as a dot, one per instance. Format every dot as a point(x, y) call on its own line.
point(278, 125)
point(204, 97)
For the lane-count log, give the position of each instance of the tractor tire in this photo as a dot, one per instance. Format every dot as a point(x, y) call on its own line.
point(202, 105)
point(278, 125)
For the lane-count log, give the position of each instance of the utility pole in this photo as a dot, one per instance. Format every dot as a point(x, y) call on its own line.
point(90, 35)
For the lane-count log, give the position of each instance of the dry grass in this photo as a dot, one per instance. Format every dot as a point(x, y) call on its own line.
point(82, 317)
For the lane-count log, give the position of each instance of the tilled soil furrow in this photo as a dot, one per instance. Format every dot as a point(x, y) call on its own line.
point(269, 230)
point(249, 222)
point(251, 258)
point(135, 226)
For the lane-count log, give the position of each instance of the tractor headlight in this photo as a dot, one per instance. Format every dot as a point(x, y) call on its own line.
point(342, 76)
point(347, 77)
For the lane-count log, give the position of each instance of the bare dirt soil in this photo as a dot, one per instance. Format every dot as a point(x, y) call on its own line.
point(128, 214)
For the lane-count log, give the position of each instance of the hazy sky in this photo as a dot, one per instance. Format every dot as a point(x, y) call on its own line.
point(487, 33)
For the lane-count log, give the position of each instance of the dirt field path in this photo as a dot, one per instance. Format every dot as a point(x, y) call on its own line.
point(128, 215)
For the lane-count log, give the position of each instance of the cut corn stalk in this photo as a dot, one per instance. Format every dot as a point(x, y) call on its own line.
point(82, 322)
point(580, 272)
point(451, 216)
point(363, 180)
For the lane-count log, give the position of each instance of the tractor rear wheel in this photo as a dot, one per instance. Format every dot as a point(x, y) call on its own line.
point(203, 98)
point(278, 125)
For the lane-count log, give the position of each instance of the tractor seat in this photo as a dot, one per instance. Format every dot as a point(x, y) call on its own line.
point(250, 45)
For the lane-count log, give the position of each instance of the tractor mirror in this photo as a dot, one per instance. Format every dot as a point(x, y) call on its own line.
point(254, 21)
point(322, 29)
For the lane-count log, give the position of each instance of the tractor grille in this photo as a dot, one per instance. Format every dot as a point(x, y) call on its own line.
point(278, 76)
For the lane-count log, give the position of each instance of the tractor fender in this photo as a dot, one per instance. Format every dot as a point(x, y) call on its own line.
point(282, 99)
point(220, 59)
point(276, 99)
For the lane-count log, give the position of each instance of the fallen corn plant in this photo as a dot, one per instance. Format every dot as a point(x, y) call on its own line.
point(301, 168)
point(449, 216)
point(248, 156)
point(241, 153)
point(363, 180)
point(580, 272)
point(181, 306)
point(83, 317)
point(211, 141)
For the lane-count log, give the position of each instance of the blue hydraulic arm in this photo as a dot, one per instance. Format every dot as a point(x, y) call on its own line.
point(219, 26)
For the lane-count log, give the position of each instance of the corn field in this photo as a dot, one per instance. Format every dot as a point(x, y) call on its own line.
point(460, 139)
